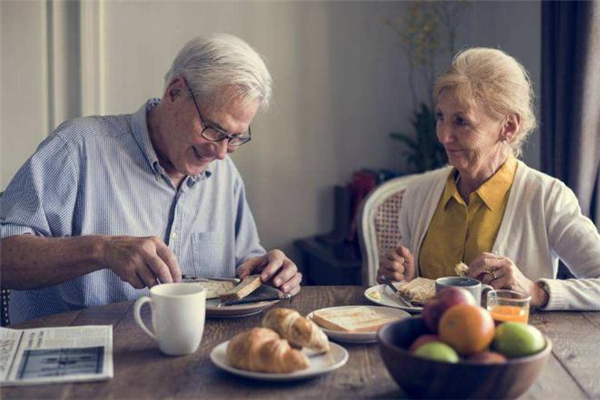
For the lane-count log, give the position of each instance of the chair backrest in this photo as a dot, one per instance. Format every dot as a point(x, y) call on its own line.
point(378, 224)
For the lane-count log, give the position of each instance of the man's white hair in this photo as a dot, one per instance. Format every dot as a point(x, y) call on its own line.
point(223, 62)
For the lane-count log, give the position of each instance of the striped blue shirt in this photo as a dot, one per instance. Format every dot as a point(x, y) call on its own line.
point(101, 175)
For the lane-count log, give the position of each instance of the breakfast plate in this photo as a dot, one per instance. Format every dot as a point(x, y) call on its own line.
point(320, 364)
point(359, 337)
point(216, 309)
point(383, 295)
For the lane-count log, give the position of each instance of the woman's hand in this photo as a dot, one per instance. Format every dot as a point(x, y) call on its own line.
point(398, 265)
point(502, 273)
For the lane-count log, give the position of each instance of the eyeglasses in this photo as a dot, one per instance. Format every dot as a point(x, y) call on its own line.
point(215, 134)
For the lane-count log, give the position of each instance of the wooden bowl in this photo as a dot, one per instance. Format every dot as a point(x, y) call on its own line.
point(423, 378)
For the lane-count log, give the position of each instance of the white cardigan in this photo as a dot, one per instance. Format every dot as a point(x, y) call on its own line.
point(542, 223)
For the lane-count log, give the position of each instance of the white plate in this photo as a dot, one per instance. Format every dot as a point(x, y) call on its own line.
point(214, 308)
point(388, 298)
point(335, 358)
point(360, 337)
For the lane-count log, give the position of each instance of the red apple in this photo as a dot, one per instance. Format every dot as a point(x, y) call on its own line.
point(421, 340)
point(487, 357)
point(442, 301)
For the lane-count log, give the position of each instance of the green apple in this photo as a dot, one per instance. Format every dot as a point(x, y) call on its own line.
point(437, 351)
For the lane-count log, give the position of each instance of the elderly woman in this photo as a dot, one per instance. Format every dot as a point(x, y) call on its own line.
point(507, 221)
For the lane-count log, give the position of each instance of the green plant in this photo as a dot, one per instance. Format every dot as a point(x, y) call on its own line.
point(424, 151)
point(422, 31)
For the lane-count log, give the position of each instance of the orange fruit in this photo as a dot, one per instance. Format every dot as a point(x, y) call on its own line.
point(467, 328)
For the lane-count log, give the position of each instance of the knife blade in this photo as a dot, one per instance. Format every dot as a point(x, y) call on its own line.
point(389, 283)
point(191, 278)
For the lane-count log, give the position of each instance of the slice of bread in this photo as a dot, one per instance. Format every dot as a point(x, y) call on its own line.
point(215, 289)
point(418, 291)
point(248, 285)
point(353, 319)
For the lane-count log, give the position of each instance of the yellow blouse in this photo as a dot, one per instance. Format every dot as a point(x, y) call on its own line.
point(460, 232)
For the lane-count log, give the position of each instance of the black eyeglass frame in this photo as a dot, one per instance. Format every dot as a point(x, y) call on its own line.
point(222, 135)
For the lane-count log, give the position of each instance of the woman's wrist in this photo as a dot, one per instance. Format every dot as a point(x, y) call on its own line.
point(541, 296)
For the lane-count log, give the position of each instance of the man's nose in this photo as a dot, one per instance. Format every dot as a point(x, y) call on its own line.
point(222, 149)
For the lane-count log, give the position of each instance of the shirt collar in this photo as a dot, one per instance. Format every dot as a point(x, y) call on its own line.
point(139, 127)
point(491, 192)
point(451, 191)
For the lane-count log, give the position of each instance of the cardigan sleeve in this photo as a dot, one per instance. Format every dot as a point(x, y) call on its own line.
point(575, 240)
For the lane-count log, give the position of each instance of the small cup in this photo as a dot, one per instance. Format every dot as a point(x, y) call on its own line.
point(508, 305)
point(472, 285)
point(178, 313)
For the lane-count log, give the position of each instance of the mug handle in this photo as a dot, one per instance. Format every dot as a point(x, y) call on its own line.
point(485, 288)
point(138, 319)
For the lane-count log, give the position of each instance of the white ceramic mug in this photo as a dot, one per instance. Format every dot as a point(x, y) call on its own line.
point(178, 313)
point(474, 286)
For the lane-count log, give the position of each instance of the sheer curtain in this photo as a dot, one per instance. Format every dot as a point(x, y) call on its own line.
point(570, 98)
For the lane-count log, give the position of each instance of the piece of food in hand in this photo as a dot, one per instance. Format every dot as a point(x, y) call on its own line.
point(263, 350)
point(352, 319)
point(461, 269)
point(418, 291)
point(441, 302)
point(248, 285)
point(214, 289)
point(296, 329)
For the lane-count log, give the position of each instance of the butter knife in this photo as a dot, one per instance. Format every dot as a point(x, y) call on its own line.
point(203, 279)
point(389, 283)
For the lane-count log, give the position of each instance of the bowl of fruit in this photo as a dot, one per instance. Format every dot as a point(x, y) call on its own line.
point(455, 350)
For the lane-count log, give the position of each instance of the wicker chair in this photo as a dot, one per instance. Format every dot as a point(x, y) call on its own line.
point(378, 224)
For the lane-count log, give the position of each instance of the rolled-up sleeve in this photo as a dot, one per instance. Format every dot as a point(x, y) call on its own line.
point(41, 198)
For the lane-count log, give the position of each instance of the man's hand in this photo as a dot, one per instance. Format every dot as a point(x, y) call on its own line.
point(502, 273)
point(276, 267)
point(140, 261)
point(397, 265)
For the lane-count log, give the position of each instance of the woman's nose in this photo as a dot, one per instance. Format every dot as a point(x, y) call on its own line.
point(444, 133)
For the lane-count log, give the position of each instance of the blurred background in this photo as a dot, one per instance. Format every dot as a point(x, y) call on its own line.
point(341, 71)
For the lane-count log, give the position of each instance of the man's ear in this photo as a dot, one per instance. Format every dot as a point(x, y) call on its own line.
point(510, 128)
point(175, 89)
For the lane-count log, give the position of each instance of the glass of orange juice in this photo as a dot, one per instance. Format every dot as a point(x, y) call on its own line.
point(508, 305)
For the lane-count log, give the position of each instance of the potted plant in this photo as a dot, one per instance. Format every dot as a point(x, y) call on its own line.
point(421, 32)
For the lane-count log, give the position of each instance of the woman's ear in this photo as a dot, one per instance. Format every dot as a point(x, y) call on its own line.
point(510, 127)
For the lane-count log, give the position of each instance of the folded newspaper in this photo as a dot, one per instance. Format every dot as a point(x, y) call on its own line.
point(54, 355)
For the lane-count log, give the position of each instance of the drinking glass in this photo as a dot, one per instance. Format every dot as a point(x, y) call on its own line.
point(508, 305)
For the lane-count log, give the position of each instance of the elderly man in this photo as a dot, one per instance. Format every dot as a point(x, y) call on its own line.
point(108, 206)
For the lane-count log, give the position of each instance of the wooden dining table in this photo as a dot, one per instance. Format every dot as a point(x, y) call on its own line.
point(142, 372)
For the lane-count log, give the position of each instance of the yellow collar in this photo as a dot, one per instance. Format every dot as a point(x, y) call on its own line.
point(491, 192)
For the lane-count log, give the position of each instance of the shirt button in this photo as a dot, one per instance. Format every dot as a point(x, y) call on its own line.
point(174, 235)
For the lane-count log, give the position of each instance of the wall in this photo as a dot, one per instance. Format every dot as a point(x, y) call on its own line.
point(340, 85)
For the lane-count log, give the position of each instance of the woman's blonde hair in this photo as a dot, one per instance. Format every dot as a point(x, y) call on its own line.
point(496, 80)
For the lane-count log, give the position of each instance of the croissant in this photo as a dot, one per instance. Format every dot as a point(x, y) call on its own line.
point(262, 350)
point(299, 331)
